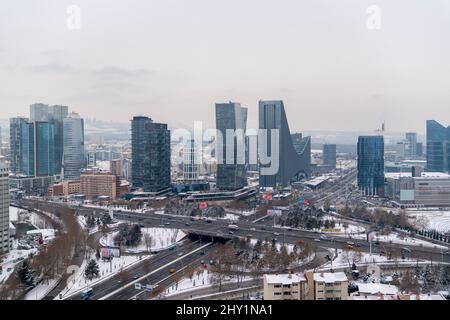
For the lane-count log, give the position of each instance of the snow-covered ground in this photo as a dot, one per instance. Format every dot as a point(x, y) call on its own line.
point(13, 258)
point(433, 220)
point(396, 238)
point(339, 226)
point(160, 239)
point(41, 290)
point(200, 280)
point(231, 217)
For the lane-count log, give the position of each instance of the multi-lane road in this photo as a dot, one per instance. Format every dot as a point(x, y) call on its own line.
point(156, 270)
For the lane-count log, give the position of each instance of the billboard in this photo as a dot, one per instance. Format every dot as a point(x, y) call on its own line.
point(274, 213)
point(109, 252)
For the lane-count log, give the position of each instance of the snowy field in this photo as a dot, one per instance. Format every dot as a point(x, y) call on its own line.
point(200, 280)
point(434, 220)
point(160, 239)
point(396, 238)
point(13, 258)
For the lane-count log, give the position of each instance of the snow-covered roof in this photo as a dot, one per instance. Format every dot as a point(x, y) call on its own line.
point(426, 297)
point(329, 277)
point(284, 278)
point(425, 175)
point(376, 288)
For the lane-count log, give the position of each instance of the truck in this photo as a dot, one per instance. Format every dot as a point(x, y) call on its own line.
point(233, 227)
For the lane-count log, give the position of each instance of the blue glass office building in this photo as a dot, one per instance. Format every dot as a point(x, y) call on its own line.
point(371, 165)
point(438, 147)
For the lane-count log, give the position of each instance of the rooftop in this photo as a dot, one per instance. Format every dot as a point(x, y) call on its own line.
point(284, 278)
point(329, 277)
point(376, 288)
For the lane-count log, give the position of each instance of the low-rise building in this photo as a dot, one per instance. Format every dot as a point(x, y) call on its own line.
point(94, 184)
point(65, 188)
point(308, 286)
point(31, 185)
point(285, 287)
point(423, 189)
point(327, 286)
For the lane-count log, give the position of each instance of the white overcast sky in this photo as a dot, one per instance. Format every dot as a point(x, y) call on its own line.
point(173, 59)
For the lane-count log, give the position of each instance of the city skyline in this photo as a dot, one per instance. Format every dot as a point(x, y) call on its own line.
point(370, 76)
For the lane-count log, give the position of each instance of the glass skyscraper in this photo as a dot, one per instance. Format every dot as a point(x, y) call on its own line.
point(438, 147)
point(231, 167)
point(371, 165)
point(73, 151)
point(150, 143)
point(56, 116)
point(329, 155)
point(294, 161)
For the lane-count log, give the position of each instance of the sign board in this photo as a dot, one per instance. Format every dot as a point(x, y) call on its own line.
point(274, 213)
point(109, 252)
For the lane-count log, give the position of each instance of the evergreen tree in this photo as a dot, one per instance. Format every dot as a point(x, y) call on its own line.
point(26, 275)
point(92, 271)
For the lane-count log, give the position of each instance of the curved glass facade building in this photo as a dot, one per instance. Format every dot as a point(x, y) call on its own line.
point(438, 147)
point(294, 161)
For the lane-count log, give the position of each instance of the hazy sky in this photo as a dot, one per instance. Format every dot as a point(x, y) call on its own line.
point(173, 59)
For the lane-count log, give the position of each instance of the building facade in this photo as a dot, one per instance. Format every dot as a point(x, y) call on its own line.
point(56, 116)
point(4, 209)
point(329, 155)
point(74, 150)
point(150, 143)
point(95, 184)
point(191, 166)
point(292, 163)
point(231, 150)
point(411, 145)
point(438, 147)
point(419, 189)
point(285, 287)
point(308, 286)
point(371, 165)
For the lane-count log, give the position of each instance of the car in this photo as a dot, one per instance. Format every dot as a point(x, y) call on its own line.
point(193, 219)
point(172, 270)
point(253, 229)
point(167, 224)
point(289, 229)
point(136, 277)
point(249, 236)
point(202, 253)
point(350, 243)
point(202, 262)
point(274, 239)
point(276, 234)
point(323, 237)
point(230, 232)
point(187, 224)
point(181, 254)
point(317, 240)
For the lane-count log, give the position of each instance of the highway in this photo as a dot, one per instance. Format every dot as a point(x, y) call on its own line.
point(147, 272)
point(219, 229)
